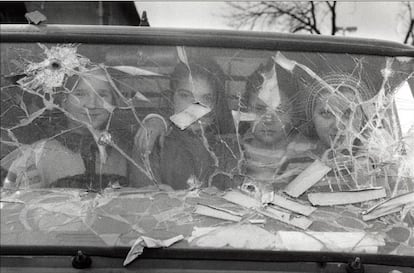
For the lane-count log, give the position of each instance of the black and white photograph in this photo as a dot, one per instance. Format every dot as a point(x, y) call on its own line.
point(207, 136)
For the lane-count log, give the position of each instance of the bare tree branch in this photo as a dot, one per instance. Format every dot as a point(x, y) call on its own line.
point(332, 8)
point(313, 14)
point(410, 33)
point(410, 30)
point(284, 16)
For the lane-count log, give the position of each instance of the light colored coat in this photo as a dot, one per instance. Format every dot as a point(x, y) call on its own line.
point(40, 164)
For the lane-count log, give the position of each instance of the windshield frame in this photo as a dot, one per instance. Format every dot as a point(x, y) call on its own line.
point(207, 38)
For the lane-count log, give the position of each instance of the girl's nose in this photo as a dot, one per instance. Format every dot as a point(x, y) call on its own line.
point(269, 114)
point(333, 125)
point(92, 101)
point(342, 124)
point(266, 118)
point(337, 127)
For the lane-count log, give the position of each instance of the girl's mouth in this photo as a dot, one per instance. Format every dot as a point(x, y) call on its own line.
point(337, 138)
point(93, 113)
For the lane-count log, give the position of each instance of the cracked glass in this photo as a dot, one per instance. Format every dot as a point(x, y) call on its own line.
point(104, 144)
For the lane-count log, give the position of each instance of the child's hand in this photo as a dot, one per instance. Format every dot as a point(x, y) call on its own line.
point(153, 129)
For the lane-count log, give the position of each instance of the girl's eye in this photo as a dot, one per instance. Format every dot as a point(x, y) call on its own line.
point(183, 94)
point(104, 95)
point(326, 114)
point(260, 109)
point(233, 97)
point(347, 114)
point(78, 93)
point(208, 98)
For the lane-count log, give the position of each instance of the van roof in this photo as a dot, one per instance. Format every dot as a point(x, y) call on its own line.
point(204, 37)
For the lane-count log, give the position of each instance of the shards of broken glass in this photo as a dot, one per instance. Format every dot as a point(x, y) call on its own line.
point(243, 116)
point(193, 183)
point(60, 61)
point(182, 55)
point(269, 91)
point(345, 197)
point(309, 177)
point(273, 212)
point(402, 203)
point(189, 115)
point(238, 236)
point(105, 139)
point(217, 212)
point(248, 236)
point(279, 208)
point(35, 17)
point(143, 241)
point(135, 71)
point(406, 160)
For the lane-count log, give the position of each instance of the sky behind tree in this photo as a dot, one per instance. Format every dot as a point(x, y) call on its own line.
point(379, 20)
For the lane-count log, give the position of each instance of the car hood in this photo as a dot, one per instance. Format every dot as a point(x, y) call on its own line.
point(117, 217)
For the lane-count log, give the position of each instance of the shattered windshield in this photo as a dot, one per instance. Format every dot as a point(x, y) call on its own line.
point(129, 145)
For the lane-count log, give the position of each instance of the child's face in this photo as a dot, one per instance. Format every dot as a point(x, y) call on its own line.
point(189, 92)
point(334, 118)
point(271, 126)
point(90, 100)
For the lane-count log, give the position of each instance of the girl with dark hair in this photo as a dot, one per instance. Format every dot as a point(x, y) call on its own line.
point(197, 152)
